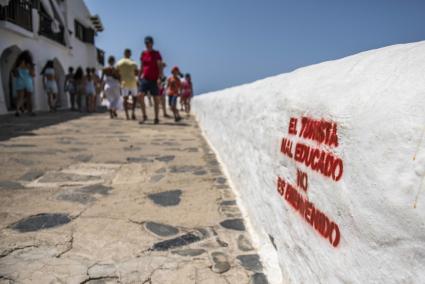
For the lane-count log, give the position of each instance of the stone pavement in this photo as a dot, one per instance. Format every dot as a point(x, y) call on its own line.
point(86, 199)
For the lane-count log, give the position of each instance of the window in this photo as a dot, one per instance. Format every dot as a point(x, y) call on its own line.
point(84, 34)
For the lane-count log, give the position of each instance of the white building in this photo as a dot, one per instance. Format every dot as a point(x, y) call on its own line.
point(59, 30)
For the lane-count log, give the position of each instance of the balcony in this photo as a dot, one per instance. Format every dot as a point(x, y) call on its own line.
point(18, 12)
point(46, 29)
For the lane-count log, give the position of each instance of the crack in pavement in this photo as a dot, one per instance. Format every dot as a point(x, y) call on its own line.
point(70, 246)
point(10, 251)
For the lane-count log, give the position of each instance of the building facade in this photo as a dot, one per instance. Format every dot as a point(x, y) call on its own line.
point(60, 30)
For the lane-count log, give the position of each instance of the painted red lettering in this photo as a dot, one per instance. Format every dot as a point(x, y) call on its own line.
point(292, 129)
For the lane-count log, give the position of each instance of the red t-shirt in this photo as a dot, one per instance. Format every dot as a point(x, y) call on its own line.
point(149, 61)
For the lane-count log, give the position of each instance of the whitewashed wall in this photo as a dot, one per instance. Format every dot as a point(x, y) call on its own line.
point(377, 100)
point(43, 49)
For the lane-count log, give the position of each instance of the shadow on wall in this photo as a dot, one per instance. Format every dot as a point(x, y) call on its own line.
point(7, 60)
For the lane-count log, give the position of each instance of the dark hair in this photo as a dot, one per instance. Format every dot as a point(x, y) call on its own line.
point(148, 39)
point(71, 69)
point(127, 50)
point(49, 64)
point(88, 70)
point(111, 60)
point(187, 75)
point(24, 57)
point(79, 74)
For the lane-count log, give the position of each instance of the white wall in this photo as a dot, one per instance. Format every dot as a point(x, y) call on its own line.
point(43, 49)
point(377, 101)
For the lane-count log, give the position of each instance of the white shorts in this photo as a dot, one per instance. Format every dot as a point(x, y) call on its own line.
point(125, 92)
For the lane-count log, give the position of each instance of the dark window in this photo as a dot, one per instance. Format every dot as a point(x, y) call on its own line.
point(79, 31)
point(18, 12)
point(84, 34)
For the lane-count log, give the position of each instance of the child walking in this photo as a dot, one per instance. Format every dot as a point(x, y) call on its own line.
point(173, 91)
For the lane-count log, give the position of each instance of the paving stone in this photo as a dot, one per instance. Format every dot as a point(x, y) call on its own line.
point(233, 224)
point(66, 177)
point(258, 278)
point(41, 221)
point(156, 178)
point(161, 171)
point(189, 252)
point(228, 202)
point(132, 148)
point(200, 172)
point(251, 262)
point(166, 198)
point(244, 244)
point(31, 175)
point(220, 180)
point(24, 162)
point(139, 160)
point(161, 229)
point(82, 158)
point(17, 145)
point(220, 263)
point(166, 159)
point(185, 169)
point(183, 240)
point(77, 197)
point(5, 184)
point(192, 150)
point(97, 189)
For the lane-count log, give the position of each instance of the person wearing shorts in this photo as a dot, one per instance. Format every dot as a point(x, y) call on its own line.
point(127, 69)
point(173, 91)
point(151, 69)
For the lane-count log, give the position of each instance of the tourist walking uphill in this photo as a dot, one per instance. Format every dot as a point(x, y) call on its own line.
point(23, 73)
point(121, 85)
point(69, 86)
point(112, 92)
point(187, 93)
point(50, 85)
point(127, 69)
point(150, 70)
point(174, 91)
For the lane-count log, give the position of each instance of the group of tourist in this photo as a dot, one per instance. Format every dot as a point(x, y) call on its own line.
point(123, 79)
point(121, 85)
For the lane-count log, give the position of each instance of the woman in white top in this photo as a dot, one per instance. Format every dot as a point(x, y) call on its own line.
point(50, 85)
point(112, 89)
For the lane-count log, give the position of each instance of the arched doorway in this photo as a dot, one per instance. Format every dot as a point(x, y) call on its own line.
point(7, 60)
point(60, 77)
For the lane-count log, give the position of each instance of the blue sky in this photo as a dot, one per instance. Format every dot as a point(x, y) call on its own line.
point(224, 43)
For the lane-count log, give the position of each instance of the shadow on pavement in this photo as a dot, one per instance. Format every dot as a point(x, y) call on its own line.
point(11, 126)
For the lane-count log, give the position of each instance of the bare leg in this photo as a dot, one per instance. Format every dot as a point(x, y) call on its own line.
point(142, 105)
point(28, 96)
point(72, 97)
point(19, 101)
point(156, 106)
point(133, 107)
point(125, 103)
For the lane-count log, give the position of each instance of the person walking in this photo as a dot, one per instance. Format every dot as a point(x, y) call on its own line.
point(173, 91)
point(151, 70)
point(162, 84)
point(50, 85)
point(127, 69)
point(90, 90)
point(112, 89)
point(69, 86)
point(187, 92)
point(79, 81)
point(98, 86)
point(23, 74)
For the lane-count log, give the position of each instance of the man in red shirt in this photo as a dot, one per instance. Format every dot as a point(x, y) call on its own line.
point(150, 70)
